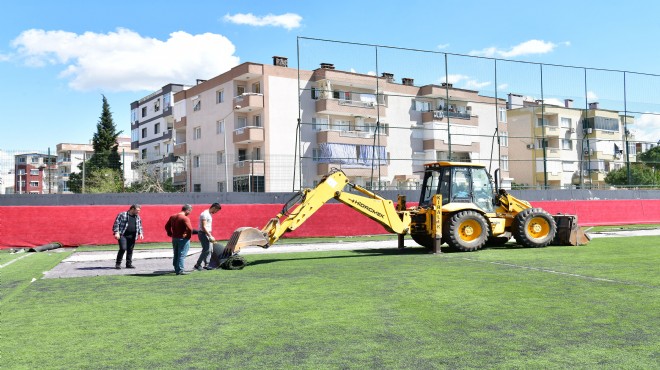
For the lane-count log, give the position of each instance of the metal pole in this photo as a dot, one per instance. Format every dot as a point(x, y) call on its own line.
point(224, 137)
point(625, 130)
point(83, 173)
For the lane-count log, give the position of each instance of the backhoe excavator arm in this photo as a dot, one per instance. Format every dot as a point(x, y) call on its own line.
point(309, 201)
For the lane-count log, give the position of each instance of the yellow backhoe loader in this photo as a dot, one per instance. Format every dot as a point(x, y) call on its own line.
point(458, 206)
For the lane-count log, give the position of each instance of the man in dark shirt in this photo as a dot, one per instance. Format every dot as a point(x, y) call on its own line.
point(179, 228)
point(126, 229)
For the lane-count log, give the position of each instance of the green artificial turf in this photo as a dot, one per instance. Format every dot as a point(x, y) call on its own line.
point(594, 306)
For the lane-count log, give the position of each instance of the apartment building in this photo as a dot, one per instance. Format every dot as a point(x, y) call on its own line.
point(35, 173)
point(242, 130)
point(71, 156)
point(564, 146)
point(152, 133)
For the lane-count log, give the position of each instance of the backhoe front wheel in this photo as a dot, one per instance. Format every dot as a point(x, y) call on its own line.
point(534, 228)
point(466, 231)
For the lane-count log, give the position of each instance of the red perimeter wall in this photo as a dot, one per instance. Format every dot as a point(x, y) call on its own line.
point(29, 226)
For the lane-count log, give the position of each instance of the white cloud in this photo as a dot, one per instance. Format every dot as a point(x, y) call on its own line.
point(443, 46)
point(288, 20)
point(464, 81)
point(524, 48)
point(647, 127)
point(124, 60)
point(502, 87)
point(591, 96)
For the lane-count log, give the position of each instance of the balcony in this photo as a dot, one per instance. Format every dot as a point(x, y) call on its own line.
point(249, 167)
point(167, 135)
point(466, 118)
point(247, 135)
point(547, 131)
point(180, 150)
point(249, 102)
point(180, 124)
point(549, 152)
point(350, 108)
point(180, 178)
point(350, 137)
point(351, 172)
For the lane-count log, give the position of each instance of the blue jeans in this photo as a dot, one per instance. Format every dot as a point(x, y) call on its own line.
point(180, 247)
point(206, 247)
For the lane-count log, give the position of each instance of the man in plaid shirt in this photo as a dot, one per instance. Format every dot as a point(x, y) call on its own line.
point(127, 228)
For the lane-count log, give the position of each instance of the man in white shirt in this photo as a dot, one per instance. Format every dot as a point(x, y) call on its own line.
point(205, 237)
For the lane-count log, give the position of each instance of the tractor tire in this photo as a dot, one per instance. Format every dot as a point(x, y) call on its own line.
point(425, 240)
point(466, 231)
point(234, 262)
point(534, 228)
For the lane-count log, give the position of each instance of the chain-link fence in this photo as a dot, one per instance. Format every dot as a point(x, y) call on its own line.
point(380, 112)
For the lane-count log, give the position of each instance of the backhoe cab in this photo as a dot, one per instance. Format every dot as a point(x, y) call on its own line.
point(458, 206)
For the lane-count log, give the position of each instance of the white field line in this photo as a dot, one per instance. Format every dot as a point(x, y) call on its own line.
point(15, 259)
point(560, 273)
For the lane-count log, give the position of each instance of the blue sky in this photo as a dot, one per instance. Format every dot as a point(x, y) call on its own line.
point(58, 58)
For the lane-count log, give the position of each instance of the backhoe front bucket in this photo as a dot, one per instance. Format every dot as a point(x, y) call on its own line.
point(568, 231)
point(243, 237)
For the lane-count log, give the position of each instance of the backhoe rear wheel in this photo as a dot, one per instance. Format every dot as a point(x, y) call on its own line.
point(466, 231)
point(534, 228)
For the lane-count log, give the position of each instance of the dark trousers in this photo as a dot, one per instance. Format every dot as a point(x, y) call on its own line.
point(126, 244)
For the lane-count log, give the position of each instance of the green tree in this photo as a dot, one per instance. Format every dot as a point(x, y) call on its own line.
point(104, 142)
point(640, 174)
point(103, 172)
point(651, 157)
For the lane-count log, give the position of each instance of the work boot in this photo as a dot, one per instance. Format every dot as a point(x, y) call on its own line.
point(130, 266)
point(118, 266)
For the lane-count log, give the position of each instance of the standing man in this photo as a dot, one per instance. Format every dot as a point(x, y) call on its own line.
point(205, 237)
point(178, 227)
point(127, 228)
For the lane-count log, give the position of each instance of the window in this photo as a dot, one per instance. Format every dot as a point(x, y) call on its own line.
point(505, 162)
point(602, 123)
point(256, 121)
point(316, 154)
point(21, 160)
point(157, 128)
point(242, 122)
point(157, 105)
point(135, 134)
point(157, 149)
point(197, 188)
point(341, 95)
point(134, 115)
point(242, 155)
point(197, 133)
point(34, 172)
point(220, 96)
point(34, 159)
point(256, 154)
point(166, 101)
point(541, 122)
point(220, 157)
point(256, 88)
point(315, 93)
point(504, 139)
point(197, 105)
point(144, 111)
point(319, 124)
point(566, 122)
point(143, 154)
point(240, 90)
point(340, 125)
point(220, 127)
point(422, 106)
point(144, 132)
point(221, 187)
point(541, 143)
point(566, 144)
point(34, 184)
point(502, 114)
point(196, 161)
